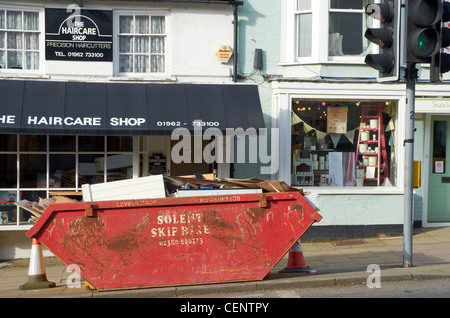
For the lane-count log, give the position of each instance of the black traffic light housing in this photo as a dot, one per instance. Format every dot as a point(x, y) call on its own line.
point(386, 37)
point(422, 30)
point(440, 62)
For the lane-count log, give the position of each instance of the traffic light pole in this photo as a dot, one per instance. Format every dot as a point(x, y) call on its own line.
point(411, 76)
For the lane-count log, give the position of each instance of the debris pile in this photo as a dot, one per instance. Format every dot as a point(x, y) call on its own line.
point(171, 187)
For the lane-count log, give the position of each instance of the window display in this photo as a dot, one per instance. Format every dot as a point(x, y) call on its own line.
point(343, 142)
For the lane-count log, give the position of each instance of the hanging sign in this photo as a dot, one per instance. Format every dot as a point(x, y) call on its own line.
point(73, 34)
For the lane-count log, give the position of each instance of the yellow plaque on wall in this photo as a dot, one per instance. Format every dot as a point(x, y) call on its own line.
point(224, 53)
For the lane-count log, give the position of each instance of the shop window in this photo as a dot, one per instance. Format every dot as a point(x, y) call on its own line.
point(32, 170)
point(62, 143)
point(32, 166)
point(120, 143)
point(8, 143)
point(91, 143)
point(120, 166)
point(33, 143)
point(89, 169)
point(343, 143)
point(141, 43)
point(19, 40)
point(8, 170)
point(62, 171)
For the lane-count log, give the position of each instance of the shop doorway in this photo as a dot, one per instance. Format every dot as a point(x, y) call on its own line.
point(439, 172)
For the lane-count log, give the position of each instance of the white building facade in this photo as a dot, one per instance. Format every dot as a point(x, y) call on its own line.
point(91, 92)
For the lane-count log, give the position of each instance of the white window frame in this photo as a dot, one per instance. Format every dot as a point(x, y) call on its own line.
point(116, 70)
point(320, 29)
point(20, 72)
point(351, 59)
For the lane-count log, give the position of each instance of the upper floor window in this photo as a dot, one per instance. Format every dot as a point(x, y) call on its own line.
point(141, 43)
point(303, 21)
point(325, 31)
point(347, 25)
point(19, 40)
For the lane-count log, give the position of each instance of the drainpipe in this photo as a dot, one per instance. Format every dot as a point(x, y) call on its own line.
point(235, 45)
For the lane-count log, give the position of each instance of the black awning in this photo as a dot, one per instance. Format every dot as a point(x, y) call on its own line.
point(78, 108)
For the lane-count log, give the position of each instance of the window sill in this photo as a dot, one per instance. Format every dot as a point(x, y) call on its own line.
point(352, 190)
point(11, 227)
point(24, 75)
point(331, 60)
point(142, 79)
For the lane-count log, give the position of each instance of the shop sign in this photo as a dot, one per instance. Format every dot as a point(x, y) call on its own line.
point(428, 105)
point(78, 35)
point(157, 163)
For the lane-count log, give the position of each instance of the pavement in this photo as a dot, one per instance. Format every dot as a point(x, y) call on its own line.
point(331, 263)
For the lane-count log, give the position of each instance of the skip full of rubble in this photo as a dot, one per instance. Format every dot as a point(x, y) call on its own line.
point(157, 186)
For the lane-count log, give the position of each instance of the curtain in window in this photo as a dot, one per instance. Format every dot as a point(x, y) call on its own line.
point(2, 19)
point(18, 49)
point(14, 20)
point(30, 21)
point(305, 35)
point(140, 52)
point(304, 28)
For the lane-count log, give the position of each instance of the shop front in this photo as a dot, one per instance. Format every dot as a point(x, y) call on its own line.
point(343, 145)
point(57, 136)
point(433, 118)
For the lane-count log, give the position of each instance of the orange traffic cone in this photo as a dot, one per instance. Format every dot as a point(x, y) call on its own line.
point(37, 277)
point(296, 261)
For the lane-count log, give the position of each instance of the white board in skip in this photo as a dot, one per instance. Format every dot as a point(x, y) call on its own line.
point(151, 187)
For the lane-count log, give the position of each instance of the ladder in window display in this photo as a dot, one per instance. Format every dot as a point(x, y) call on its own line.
point(372, 144)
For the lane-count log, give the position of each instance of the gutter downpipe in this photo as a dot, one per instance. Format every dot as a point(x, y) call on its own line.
point(236, 28)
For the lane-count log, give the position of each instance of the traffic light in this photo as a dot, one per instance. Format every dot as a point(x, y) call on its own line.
point(422, 30)
point(386, 37)
point(440, 63)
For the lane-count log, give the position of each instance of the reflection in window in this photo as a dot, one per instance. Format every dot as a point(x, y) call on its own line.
point(120, 143)
point(119, 167)
point(89, 170)
point(33, 171)
point(325, 138)
point(33, 143)
point(62, 143)
point(62, 171)
point(8, 170)
point(91, 143)
point(8, 143)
